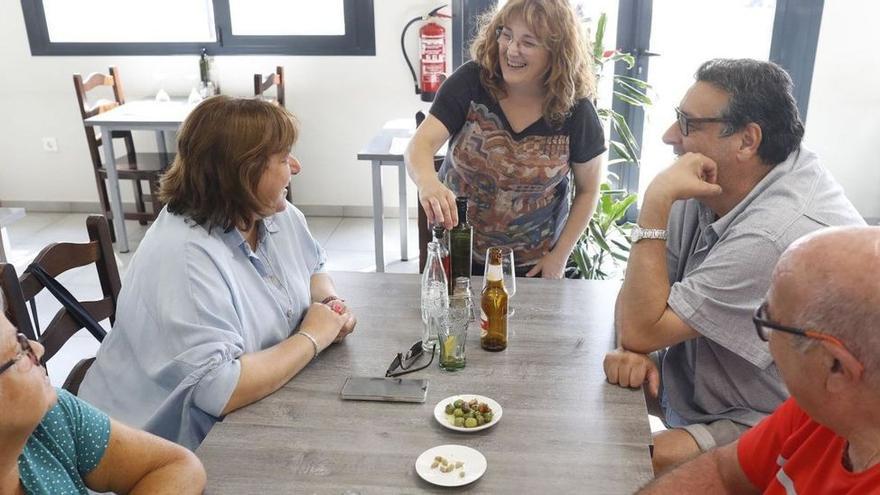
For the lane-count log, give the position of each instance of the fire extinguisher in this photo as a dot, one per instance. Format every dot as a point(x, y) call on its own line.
point(432, 54)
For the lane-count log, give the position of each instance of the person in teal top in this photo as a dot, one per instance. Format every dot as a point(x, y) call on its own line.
point(54, 443)
point(68, 444)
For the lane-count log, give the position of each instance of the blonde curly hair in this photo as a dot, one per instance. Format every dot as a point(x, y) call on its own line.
point(570, 76)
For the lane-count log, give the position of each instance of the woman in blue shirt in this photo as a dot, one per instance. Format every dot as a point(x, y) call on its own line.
point(226, 298)
point(52, 442)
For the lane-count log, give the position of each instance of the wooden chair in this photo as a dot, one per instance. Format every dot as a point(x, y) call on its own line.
point(55, 259)
point(132, 166)
point(262, 84)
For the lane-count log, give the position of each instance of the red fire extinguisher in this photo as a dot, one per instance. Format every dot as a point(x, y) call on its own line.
point(432, 55)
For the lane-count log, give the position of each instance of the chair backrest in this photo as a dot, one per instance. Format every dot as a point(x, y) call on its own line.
point(56, 259)
point(262, 84)
point(86, 110)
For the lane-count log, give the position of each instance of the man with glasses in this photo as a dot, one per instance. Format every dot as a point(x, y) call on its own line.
point(822, 319)
point(711, 228)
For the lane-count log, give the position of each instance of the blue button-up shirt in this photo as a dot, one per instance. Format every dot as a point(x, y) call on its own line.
point(191, 304)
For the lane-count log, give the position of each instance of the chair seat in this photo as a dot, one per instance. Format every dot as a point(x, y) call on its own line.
point(149, 166)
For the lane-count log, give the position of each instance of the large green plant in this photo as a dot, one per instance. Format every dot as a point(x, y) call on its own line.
point(603, 249)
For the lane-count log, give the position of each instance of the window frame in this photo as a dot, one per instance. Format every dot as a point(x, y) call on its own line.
point(359, 38)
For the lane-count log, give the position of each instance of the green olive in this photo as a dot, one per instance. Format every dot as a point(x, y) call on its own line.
point(450, 409)
point(458, 403)
point(458, 413)
point(459, 422)
point(481, 420)
point(488, 417)
point(470, 423)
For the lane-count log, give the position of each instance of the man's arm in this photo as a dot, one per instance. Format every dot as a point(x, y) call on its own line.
point(717, 471)
point(644, 322)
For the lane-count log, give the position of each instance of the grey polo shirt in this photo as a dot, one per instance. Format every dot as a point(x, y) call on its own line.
point(720, 271)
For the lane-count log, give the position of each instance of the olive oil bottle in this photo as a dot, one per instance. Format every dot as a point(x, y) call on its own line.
point(461, 241)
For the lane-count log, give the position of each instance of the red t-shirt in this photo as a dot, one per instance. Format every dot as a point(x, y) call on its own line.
point(790, 453)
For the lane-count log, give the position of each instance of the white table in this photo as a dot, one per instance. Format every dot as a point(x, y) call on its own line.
point(7, 217)
point(386, 149)
point(145, 115)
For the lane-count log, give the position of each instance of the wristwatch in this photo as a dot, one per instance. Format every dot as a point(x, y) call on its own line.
point(638, 233)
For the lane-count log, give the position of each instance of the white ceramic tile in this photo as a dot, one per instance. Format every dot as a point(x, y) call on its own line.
point(322, 227)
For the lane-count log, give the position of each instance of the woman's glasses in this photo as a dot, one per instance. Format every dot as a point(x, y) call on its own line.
point(402, 363)
point(25, 350)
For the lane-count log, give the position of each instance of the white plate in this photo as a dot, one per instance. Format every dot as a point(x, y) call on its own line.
point(446, 419)
point(474, 465)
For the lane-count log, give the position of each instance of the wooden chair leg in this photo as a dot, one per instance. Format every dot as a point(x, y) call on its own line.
point(139, 200)
point(154, 198)
point(104, 199)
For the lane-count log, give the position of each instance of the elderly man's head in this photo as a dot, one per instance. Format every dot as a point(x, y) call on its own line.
point(829, 283)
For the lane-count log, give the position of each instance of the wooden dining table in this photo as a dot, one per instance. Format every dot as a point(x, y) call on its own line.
point(564, 429)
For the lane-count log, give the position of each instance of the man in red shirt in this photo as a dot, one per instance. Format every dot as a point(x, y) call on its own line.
point(822, 319)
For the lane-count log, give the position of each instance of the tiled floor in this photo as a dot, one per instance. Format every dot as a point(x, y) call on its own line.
point(348, 241)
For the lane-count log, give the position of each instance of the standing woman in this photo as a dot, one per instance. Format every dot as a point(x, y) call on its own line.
point(519, 117)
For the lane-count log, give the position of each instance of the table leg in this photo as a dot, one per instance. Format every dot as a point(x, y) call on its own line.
point(3, 240)
point(113, 188)
point(377, 216)
point(404, 211)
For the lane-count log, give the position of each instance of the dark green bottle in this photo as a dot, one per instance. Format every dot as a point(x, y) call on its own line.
point(461, 241)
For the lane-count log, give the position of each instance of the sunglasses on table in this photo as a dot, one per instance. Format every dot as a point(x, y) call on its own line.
point(25, 350)
point(403, 363)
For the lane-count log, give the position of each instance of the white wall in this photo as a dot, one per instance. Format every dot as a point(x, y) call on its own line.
point(842, 120)
point(340, 101)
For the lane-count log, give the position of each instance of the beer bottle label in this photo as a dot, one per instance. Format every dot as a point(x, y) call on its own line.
point(484, 324)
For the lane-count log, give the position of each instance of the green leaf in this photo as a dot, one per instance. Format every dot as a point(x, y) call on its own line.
point(632, 81)
point(627, 99)
point(622, 246)
point(621, 151)
point(599, 40)
point(598, 238)
point(629, 141)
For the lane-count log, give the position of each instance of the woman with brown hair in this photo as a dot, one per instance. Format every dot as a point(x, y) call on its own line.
point(226, 298)
point(519, 118)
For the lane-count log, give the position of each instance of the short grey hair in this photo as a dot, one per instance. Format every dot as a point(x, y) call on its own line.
point(759, 92)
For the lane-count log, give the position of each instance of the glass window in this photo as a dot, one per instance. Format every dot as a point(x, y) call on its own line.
point(223, 27)
point(287, 17)
point(129, 21)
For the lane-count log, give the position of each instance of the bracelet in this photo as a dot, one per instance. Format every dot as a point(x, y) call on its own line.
point(314, 342)
point(332, 298)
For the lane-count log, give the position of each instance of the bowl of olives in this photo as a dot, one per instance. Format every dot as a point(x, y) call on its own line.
point(467, 412)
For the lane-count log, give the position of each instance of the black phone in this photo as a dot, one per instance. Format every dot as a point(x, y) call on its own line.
point(385, 389)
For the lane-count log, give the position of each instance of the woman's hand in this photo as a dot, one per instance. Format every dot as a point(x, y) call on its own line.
point(439, 203)
point(551, 265)
point(340, 308)
point(324, 324)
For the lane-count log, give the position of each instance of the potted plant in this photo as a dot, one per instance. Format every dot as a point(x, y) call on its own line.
point(603, 248)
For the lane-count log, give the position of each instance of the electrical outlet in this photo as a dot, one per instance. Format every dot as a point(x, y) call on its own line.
point(50, 144)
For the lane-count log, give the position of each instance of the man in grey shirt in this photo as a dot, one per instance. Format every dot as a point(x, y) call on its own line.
point(710, 231)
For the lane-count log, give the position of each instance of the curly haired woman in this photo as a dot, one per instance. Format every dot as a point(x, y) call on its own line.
point(519, 118)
